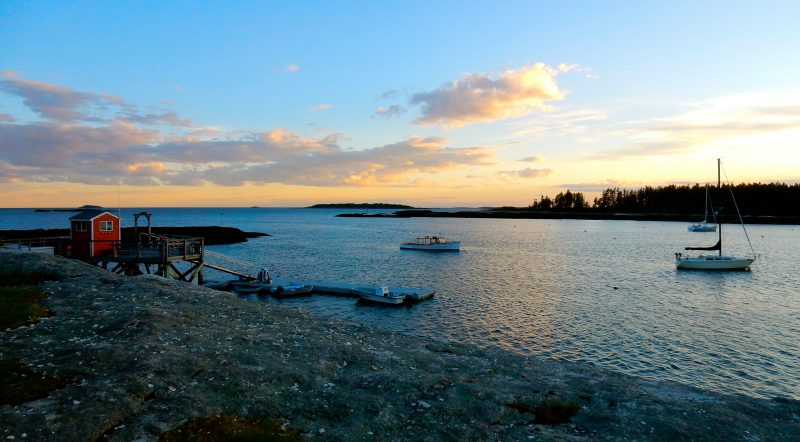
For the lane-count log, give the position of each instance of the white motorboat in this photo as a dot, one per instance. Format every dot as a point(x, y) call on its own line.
point(704, 226)
point(433, 243)
point(379, 294)
point(719, 261)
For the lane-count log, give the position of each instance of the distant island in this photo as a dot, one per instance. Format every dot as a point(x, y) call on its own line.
point(77, 209)
point(359, 206)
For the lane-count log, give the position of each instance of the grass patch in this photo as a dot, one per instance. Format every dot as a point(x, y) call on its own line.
point(522, 407)
point(548, 411)
point(20, 384)
point(18, 306)
point(230, 428)
point(555, 412)
point(16, 278)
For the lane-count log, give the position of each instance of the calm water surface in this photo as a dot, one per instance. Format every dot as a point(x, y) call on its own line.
point(543, 287)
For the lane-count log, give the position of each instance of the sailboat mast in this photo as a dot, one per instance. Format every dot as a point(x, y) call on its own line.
point(719, 218)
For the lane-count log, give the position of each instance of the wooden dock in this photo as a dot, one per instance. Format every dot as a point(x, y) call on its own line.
point(347, 288)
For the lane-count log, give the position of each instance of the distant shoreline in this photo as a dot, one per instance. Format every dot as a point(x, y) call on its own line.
point(212, 235)
point(499, 214)
point(360, 206)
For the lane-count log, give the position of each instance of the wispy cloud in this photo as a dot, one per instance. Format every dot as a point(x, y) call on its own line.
point(163, 148)
point(526, 173)
point(726, 119)
point(320, 107)
point(67, 106)
point(533, 159)
point(55, 102)
point(482, 98)
point(292, 68)
point(603, 185)
point(389, 112)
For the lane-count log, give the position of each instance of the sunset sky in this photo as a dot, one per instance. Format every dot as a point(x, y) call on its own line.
point(431, 103)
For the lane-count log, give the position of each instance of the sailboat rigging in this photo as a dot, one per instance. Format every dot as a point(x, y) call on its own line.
point(719, 261)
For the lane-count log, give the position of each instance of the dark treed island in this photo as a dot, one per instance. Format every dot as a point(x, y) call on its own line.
point(76, 209)
point(360, 206)
point(759, 203)
point(213, 235)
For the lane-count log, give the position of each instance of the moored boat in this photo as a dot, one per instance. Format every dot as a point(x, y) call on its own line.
point(433, 243)
point(379, 294)
point(719, 261)
point(704, 226)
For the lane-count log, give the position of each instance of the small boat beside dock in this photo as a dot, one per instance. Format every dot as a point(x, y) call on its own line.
point(380, 295)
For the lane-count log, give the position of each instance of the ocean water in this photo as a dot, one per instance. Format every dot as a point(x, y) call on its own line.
point(605, 293)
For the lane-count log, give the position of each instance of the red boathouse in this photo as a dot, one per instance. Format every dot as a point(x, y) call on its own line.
point(94, 233)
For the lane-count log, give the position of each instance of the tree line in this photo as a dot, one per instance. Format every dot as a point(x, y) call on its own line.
point(755, 199)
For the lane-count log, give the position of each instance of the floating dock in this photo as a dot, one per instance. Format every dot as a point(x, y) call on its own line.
point(347, 289)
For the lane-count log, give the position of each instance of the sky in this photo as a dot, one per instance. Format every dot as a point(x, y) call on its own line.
point(430, 103)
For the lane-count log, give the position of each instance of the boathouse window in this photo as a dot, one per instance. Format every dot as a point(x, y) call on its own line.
point(81, 226)
point(106, 226)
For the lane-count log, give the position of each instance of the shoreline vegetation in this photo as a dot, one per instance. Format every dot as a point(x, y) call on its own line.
point(522, 213)
point(145, 358)
point(771, 203)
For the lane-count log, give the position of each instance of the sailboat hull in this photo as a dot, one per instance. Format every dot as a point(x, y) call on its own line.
point(714, 263)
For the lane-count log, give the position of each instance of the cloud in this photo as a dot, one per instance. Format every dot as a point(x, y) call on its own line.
point(389, 112)
point(5, 118)
point(320, 107)
point(601, 186)
point(55, 102)
point(292, 68)
point(65, 105)
point(533, 159)
point(393, 164)
point(733, 119)
point(482, 98)
point(587, 71)
point(161, 148)
point(526, 173)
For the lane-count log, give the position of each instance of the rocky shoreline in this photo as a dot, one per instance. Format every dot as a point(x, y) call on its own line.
point(144, 355)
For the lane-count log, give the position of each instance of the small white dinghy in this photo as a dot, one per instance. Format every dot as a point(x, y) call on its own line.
point(379, 294)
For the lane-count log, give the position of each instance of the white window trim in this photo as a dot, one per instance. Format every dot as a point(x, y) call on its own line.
point(104, 223)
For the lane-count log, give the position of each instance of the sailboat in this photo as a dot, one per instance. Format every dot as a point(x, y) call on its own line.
point(719, 261)
point(704, 226)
